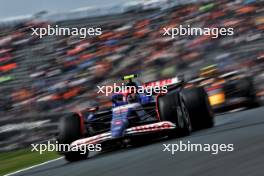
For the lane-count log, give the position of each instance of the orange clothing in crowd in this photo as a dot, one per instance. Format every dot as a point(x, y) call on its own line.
point(246, 9)
point(8, 67)
point(71, 93)
point(21, 95)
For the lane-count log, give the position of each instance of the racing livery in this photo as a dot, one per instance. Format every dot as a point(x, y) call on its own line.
point(136, 117)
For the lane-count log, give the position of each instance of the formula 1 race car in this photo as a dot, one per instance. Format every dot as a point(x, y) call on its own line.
point(227, 91)
point(136, 117)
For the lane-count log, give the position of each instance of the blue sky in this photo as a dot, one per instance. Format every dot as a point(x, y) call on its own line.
point(11, 8)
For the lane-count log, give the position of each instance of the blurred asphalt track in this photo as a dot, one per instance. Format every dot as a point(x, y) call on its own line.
point(243, 129)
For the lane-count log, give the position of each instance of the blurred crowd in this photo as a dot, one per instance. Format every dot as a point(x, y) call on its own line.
point(60, 73)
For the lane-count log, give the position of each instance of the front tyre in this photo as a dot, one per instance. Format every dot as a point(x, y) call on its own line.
point(172, 108)
point(200, 111)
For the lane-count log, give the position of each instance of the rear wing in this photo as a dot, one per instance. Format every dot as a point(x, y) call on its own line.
point(170, 83)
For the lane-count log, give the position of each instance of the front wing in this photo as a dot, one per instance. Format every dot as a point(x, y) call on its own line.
point(137, 130)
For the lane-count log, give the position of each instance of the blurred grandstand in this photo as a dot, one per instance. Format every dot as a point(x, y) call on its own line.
point(42, 79)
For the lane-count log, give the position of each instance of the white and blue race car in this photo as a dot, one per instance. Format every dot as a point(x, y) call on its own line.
point(136, 117)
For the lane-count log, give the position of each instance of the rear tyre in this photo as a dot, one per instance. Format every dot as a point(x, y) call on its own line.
point(172, 108)
point(69, 131)
point(254, 103)
point(200, 111)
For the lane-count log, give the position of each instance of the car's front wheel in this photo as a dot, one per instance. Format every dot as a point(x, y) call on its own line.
point(200, 111)
point(172, 108)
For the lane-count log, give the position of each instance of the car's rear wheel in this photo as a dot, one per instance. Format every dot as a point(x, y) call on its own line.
point(200, 111)
point(255, 101)
point(70, 129)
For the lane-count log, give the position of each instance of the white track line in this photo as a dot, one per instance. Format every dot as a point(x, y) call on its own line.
point(34, 166)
